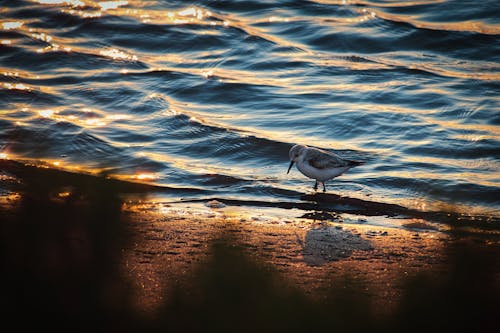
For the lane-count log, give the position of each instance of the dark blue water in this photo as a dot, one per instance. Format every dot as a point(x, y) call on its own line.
point(211, 96)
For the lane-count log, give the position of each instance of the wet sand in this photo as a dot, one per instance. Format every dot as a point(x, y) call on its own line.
point(310, 255)
point(81, 249)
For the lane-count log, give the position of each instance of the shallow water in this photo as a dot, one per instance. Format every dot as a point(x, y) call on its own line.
point(210, 97)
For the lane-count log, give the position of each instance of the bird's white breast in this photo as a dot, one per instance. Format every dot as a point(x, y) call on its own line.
point(320, 174)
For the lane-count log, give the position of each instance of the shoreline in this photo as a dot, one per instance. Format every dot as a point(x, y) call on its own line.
point(39, 176)
point(72, 245)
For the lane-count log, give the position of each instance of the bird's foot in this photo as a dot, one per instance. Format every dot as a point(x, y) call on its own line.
point(315, 187)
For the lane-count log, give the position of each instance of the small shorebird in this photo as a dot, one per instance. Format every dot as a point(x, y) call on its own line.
point(319, 164)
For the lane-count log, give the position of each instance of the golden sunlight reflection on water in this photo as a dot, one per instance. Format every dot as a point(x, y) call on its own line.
point(467, 26)
point(46, 113)
point(116, 54)
point(86, 118)
point(16, 86)
point(11, 25)
point(145, 176)
point(106, 5)
point(88, 9)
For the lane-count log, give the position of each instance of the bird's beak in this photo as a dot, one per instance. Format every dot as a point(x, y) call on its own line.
point(291, 165)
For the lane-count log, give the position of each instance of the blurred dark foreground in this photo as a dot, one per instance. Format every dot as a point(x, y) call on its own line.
point(61, 255)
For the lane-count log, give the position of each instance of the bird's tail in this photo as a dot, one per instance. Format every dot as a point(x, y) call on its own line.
point(355, 163)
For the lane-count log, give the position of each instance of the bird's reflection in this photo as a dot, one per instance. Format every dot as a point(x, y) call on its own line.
point(331, 243)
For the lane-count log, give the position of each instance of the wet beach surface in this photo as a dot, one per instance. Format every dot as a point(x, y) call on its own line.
point(108, 256)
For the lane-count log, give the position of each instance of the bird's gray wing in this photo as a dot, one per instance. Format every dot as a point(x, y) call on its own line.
point(321, 159)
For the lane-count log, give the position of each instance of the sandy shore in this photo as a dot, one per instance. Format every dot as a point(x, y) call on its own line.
point(81, 249)
point(310, 255)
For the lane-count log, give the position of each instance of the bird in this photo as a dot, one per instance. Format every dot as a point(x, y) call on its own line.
point(319, 164)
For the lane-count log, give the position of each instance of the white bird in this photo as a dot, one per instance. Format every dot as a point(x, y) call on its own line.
point(319, 164)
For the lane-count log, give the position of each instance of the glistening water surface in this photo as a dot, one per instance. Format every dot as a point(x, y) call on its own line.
point(210, 95)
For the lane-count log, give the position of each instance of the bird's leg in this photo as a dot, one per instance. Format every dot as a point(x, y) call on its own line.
point(315, 187)
point(324, 187)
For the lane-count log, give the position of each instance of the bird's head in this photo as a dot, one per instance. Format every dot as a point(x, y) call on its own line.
point(295, 154)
